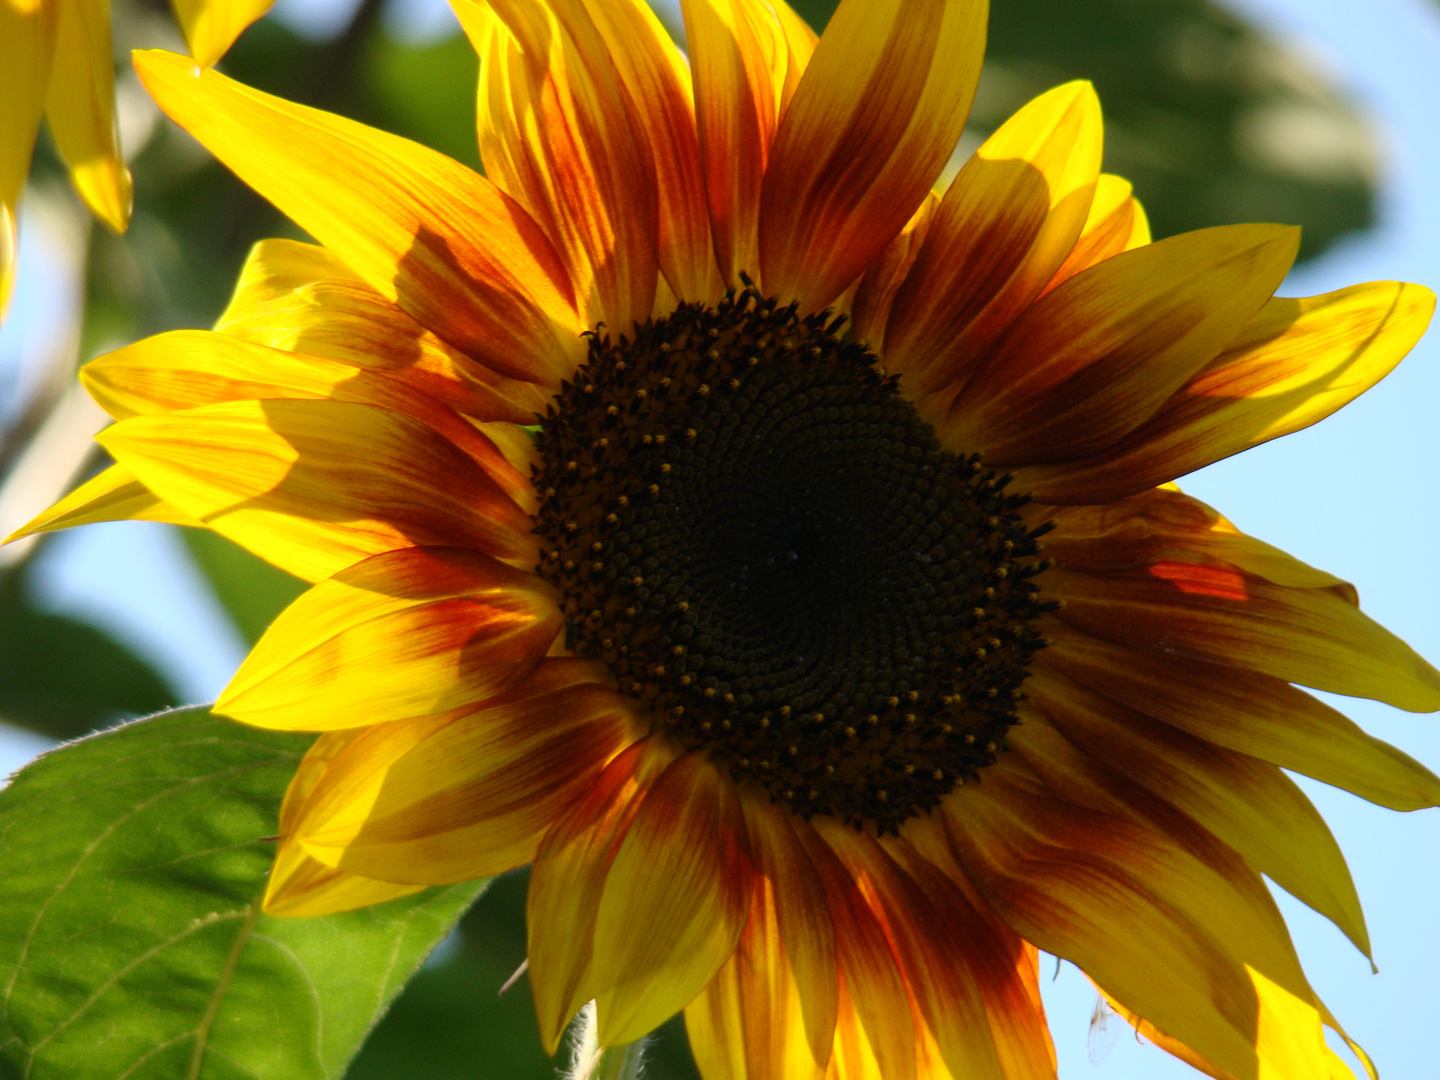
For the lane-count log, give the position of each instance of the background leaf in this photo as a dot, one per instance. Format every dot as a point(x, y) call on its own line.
point(251, 591)
point(131, 941)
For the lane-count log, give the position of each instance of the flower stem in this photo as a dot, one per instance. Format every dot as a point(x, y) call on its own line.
point(591, 1061)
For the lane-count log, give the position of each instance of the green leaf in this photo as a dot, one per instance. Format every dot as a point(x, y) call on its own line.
point(62, 677)
point(131, 939)
point(251, 591)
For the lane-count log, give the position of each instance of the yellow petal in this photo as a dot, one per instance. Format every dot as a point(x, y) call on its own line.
point(568, 879)
point(1092, 360)
point(1161, 522)
point(558, 134)
point(804, 923)
point(675, 900)
point(301, 298)
point(113, 495)
point(1116, 223)
point(314, 486)
point(27, 49)
point(873, 121)
point(1249, 805)
point(1219, 613)
point(1005, 226)
point(747, 1024)
point(211, 26)
point(475, 797)
point(746, 57)
point(405, 633)
point(1203, 955)
point(80, 107)
point(185, 369)
point(1293, 364)
point(424, 231)
point(1249, 712)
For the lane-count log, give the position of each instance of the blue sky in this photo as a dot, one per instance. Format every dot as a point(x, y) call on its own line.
point(1358, 495)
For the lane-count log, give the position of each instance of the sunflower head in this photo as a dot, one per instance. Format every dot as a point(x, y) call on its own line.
point(698, 503)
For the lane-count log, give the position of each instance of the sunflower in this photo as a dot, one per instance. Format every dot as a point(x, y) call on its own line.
point(56, 61)
point(781, 555)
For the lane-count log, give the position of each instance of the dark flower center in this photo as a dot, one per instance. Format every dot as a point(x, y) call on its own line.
point(767, 545)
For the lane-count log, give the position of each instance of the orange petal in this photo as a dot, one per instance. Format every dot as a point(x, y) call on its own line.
point(473, 798)
point(748, 1023)
point(558, 134)
point(873, 121)
point(1219, 613)
point(746, 57)
point(1293, 364)
point(804, 923)
point(1246, 711)
point(314, 486)
point(1202, 954)
point(425, 232)
point(875, 293)
point(1249, 805)
point(114, 495)
point(185, 369)
point(1004, 227)
point(869, 968)
point(932, 944)
point(1092, 360)
point(569, 876)
point(675, 900)
point(80, 108)
point(1116, 223)
point(211, 26)
point(301, 298)
point(405, 633)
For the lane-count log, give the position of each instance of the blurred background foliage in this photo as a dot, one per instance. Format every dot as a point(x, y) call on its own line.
point(1213, 122)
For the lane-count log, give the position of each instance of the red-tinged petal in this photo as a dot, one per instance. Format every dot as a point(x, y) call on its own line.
point(474, 797)
point(1005, 966)
point(185, 369)
point(656, 79)
point(1004, 227)
point(1116, 223)
point(873, 121)
point(114, 495)
point(748, 1023)
point(804, 922)
point(875, 292)
point(1202, 954)
point(1248, 804)
point(1098, 356)
point(559, 135)
point(931, 944)
point(425, 232)
point(746, 57)
point(301, 298)
point(1249, 712)
point(1293, 364)
point(569, 877)
point(80, 109)
point(675, 900)
point(869, 969)
point(405, 633)
point(1220, 613)
point(1131, 533)
point(314, 486)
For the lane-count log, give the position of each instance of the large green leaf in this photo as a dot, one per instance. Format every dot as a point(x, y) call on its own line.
point(62, 677)
point(131, 939)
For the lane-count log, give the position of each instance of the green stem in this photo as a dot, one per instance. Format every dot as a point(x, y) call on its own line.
point(620, 1062)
